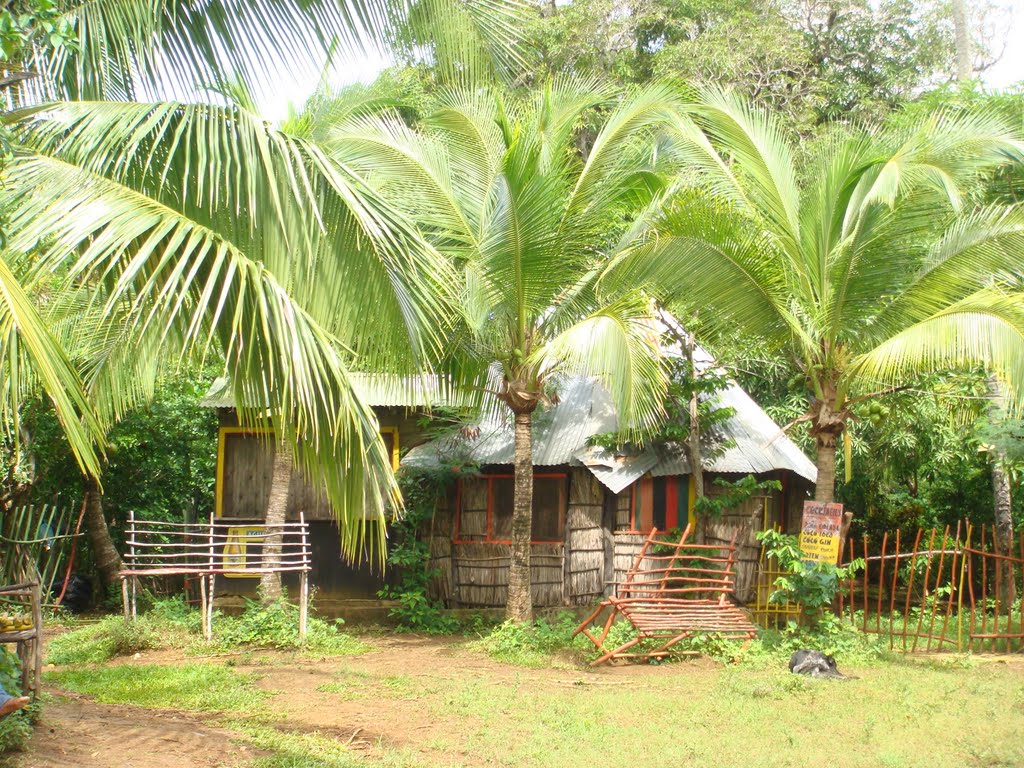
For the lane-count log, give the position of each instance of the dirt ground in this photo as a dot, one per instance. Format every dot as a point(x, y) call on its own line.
point(419, 699)
point(75, 731)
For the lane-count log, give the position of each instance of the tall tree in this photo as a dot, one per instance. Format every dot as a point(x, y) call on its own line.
point(962, 30)
point(178, 252)
point(501, 186)
point(869, 268)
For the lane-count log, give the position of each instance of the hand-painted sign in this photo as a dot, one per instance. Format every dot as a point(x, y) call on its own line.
point(236, 548)
point(820, 531)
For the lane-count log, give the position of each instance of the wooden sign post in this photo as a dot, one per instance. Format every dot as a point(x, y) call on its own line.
point(821, 531)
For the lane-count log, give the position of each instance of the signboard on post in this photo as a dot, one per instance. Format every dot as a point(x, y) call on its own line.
point(821, 531)
point(236, 550)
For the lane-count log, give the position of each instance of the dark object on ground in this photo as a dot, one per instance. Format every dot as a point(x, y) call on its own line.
point(78, 596)
point(814, 664)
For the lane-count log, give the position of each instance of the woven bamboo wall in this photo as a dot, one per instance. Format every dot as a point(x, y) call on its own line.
point(585, 538)
point(440, 542)
point(745, 521)
point(480, 574)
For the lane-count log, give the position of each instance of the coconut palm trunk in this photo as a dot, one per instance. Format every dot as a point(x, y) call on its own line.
point(277, 509)
point(1003, 502)
point(105, 554)
point(825, 461)
point(519, 607)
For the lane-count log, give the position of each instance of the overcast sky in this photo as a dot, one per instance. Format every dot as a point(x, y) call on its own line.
point(284, 90)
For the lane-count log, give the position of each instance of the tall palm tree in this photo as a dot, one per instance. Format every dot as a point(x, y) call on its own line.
point(867, 264)
point(503, 188)
point(205, 229)
point(212, 232)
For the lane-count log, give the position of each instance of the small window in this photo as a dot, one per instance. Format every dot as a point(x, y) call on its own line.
point(661, 502)
point(549, 504)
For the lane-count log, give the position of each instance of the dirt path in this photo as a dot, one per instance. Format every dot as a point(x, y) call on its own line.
point(366, 703)
point(75, 731)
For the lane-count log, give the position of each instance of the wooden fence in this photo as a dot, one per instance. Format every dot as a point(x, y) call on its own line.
point(38, 543)
point(216, 548)
point(948, 589)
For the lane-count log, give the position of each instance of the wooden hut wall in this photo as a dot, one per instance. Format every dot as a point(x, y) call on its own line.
point(480, 568)
point(585, 538)
point(248, 459)
point(745, 521)
point(440, 542)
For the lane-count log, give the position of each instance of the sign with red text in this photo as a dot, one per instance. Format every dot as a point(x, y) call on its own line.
point(820, 531)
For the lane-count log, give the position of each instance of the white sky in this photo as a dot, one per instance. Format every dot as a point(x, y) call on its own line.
point(284, 90)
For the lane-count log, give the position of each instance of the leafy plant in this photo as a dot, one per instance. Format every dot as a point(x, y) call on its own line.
point(533, 644)
point(410, 554)
point(811, 585)
point(736, 493)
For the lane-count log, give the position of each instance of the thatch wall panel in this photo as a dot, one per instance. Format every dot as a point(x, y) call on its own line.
point(585, 538)
point(480, 574)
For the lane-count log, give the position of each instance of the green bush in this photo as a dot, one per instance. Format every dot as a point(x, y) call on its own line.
point(15, 729)
point(172, 623)
point(277, 626)
point(533, 645)
point(102, 641)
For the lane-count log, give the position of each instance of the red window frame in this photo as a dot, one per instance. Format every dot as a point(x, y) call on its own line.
point(489, 525)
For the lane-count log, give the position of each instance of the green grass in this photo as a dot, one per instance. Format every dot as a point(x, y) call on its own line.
point(196, 687)
point(896, 715)
point(899, 712)
point(170, 623)
point(110, 637)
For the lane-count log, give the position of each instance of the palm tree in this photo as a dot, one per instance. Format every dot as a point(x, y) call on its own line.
point(867, 263)
point(504, 189)
point(214, 232)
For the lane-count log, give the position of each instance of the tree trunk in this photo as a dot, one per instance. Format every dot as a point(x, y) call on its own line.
point(695, 456)
point(519, 607)
point(277, 508)
point(108, 561)
point(825, 488)
point(1004, 534)
point(1003, 506)
point(962, 33)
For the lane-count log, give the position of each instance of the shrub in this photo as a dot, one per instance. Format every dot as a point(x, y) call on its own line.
point(277, 626)
point(532, 645)
point(102, 641)
point(15, 729)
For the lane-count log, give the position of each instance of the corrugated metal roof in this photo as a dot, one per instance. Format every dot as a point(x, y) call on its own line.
point(561, 433)
point(377, 390)
point(584, 409)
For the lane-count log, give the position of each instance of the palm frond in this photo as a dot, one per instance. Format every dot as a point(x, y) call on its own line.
point(618, 343)
point(30, 356)
point(985, 328)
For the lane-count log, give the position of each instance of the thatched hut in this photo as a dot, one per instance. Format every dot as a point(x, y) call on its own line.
point(593, 508)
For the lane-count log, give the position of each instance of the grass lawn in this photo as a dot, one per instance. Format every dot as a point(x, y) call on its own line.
point(426, 702)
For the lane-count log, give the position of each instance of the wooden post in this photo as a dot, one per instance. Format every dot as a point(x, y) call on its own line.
point(37, 644)
point(303, 579)
point(131, 557)
point(125, 600)
point(208, 610)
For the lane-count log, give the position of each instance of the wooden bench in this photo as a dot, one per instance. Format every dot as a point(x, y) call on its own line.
point(673, 591)
point(220, 547)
